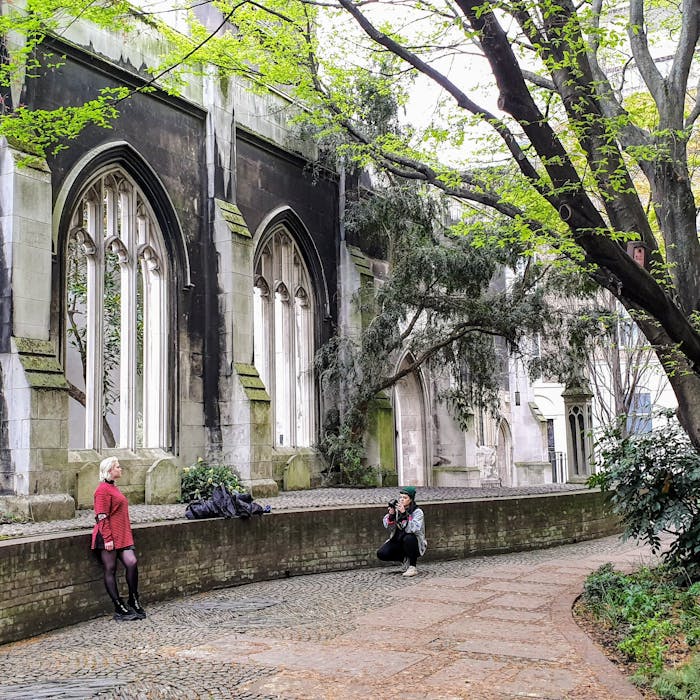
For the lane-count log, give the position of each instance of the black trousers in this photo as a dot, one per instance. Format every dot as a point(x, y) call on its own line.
point(400, 546)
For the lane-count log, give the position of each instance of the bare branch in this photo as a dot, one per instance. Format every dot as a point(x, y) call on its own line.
point(462, 100)
point(640, 50)
point(630, 135)
point(687, 44)
point(695, 113)
point(539, 80)
point(462, 330)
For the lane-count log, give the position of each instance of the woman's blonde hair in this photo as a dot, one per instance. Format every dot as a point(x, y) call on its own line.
point(105, 465)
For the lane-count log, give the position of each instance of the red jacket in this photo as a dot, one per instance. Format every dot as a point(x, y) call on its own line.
point(116, 527)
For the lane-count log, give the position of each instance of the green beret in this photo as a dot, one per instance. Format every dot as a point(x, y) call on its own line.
point(409, 491)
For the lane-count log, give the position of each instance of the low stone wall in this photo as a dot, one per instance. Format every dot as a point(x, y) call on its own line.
point(54, 580)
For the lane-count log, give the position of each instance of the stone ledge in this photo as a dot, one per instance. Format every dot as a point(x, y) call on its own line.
point(231, 214)
point(50, 506)
point(41, 366)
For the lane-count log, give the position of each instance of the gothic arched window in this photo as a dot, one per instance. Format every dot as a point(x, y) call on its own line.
point(283, 340)
point(116, 291)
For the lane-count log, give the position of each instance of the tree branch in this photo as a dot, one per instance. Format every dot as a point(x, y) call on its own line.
point(462, 100)
point(687, 45)
point(640, 50)
point(79, 396)
point(692, 117)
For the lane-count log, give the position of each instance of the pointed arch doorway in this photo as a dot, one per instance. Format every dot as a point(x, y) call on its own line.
point(410, 421)
point(504, 454)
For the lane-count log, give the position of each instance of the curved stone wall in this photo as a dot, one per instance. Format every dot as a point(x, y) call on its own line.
point(52, 581)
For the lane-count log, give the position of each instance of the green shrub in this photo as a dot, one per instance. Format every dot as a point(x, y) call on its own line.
point(602, 592)
point(344, 453)
point(200, 479)
point(653, 481)
point(8, 519)
point(647, 643)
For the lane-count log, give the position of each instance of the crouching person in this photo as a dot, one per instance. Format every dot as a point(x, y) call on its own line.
point(407, 540)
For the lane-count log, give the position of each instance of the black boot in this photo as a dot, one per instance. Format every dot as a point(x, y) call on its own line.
point(122, 613)
point(135, 605)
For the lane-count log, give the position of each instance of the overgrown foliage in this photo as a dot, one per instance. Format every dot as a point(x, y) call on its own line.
point(680, 683)
point(446, 303)
point(8, 518)
point(24, 27)
point(653, 481)
point(651, 616)
point(578, 153)
point(344, 454)
point(201, 478)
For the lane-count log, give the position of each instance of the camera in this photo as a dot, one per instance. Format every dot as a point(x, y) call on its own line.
point(393, 504)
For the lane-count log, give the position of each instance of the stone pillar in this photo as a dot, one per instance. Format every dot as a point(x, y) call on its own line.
point(246, 436)
point(579, 424)
point(34, 390)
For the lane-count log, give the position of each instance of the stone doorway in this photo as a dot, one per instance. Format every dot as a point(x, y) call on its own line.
point(409, 411)
point(504, 454)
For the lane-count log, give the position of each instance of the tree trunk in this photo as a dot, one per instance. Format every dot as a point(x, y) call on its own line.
point(675, 209)
point(79, 396)
point(686, 386)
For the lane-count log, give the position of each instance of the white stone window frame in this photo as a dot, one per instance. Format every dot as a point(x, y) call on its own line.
point(579, 418)
point(112, 214)
point(284, 336)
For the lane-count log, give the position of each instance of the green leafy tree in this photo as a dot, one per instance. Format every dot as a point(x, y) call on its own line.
point(24, 27)
point(444, 304)
point(590, 142)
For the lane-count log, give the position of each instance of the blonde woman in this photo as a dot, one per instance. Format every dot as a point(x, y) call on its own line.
point(112, 539)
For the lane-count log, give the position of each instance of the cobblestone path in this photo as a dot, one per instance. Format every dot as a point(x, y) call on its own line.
point(488, 628)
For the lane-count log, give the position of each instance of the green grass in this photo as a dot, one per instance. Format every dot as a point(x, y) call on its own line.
point(7, 519)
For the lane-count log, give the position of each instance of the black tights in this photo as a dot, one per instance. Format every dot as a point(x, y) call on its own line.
point(109, 563)
point(401, 546)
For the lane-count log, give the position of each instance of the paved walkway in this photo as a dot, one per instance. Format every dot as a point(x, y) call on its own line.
point(488, 628)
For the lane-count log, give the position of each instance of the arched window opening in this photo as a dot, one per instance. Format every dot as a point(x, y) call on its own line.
point(579, 419)
point(116, 324)
point(577, 433)
point(283, 342)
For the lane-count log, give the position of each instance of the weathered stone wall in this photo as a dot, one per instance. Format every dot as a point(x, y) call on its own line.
point(53, 581)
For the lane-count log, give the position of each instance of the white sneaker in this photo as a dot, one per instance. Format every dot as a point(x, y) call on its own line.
point(411, 571)
point(405, 565)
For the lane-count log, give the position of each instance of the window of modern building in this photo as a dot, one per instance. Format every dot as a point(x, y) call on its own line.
point(284, 337)
point(639, 416)
point(116, 320)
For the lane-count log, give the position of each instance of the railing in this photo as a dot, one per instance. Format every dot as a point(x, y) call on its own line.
point(558, 462)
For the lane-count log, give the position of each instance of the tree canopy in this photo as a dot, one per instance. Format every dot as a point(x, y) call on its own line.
point(589, 145)
point(576, 122)
point(444, 304)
